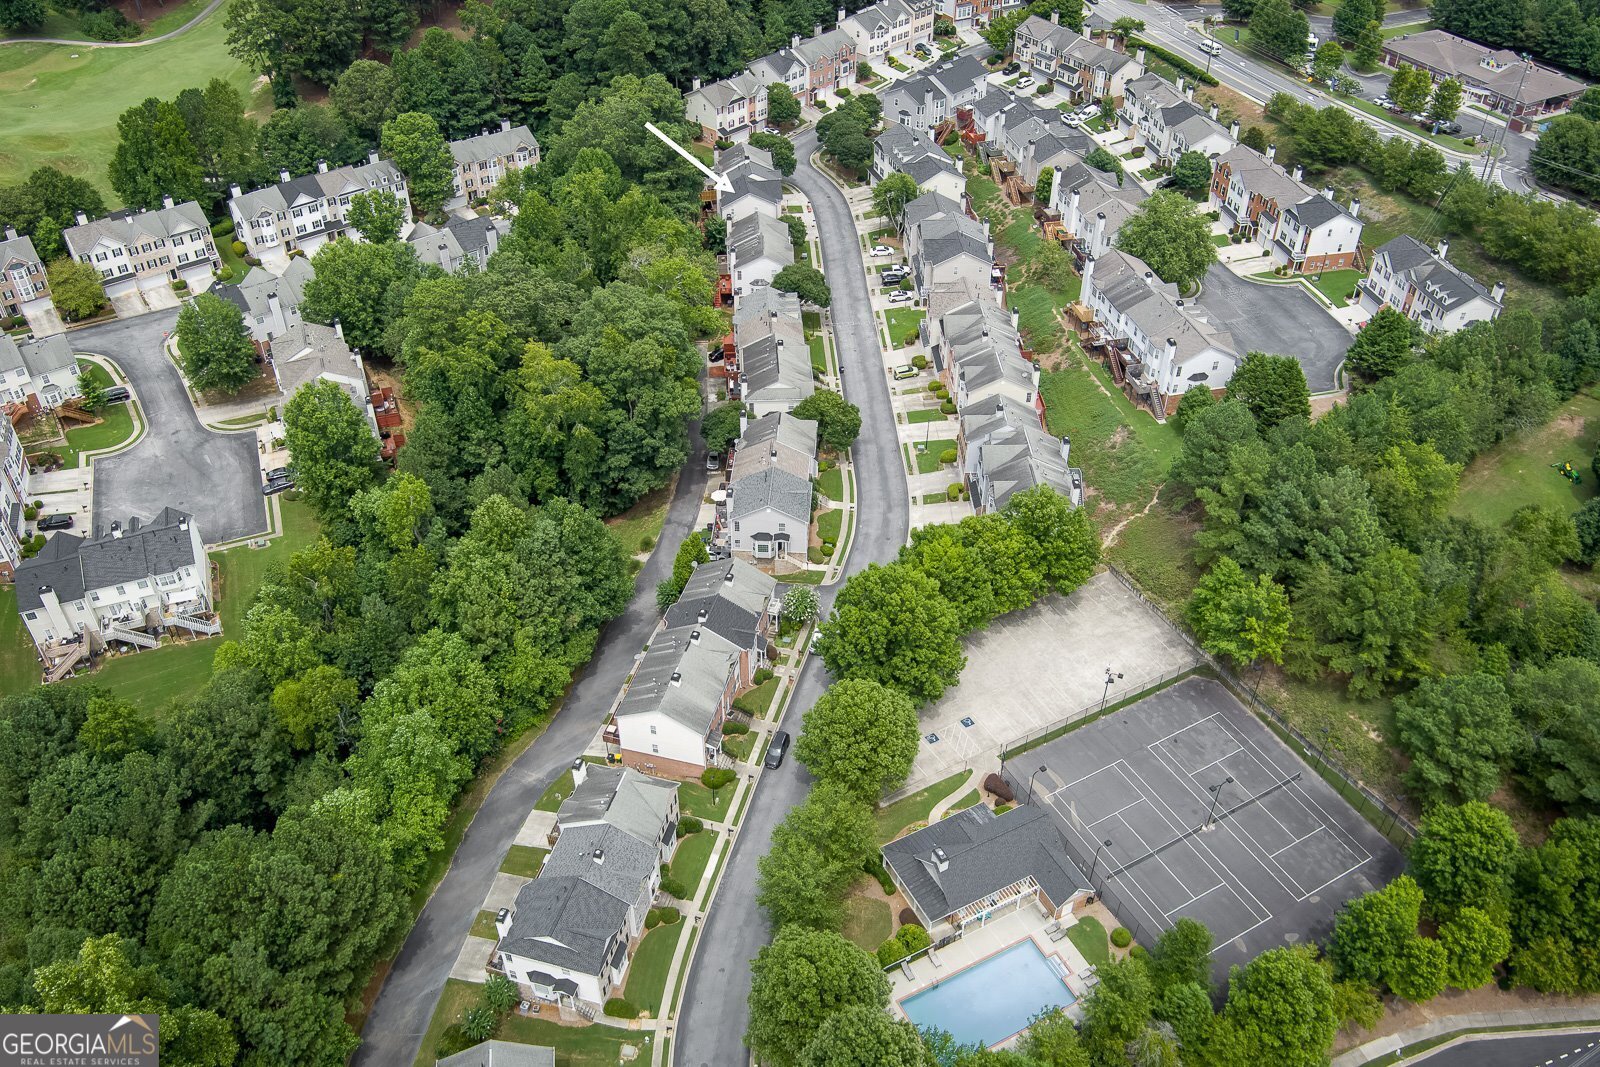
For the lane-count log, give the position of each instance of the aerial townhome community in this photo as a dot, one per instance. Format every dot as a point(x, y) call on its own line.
point(924, 532)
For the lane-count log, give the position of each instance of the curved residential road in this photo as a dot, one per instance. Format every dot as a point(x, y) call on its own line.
point(1517, 1050)
point(169, 35)
point(399, 1018)
point(711, 1026)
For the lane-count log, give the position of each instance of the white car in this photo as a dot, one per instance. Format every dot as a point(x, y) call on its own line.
point(899, 296)
point(882, 250)
point(1210, 47)
point(1026, 82)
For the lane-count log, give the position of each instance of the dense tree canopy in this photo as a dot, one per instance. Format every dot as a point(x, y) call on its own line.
point(800, 981)
point(214, 344)
point(1170, 234)
point(861, 735)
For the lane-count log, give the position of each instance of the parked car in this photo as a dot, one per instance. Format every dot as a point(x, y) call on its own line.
point(922, 49)
point(279, 474)
point(713, 461)
point(1382, 100)
point(1025, 82)
point(1450, 127)
point(893, 277)
point(777, 750)
point(882, 250)
point(904, 371)
point(56, 522)
point(117, 394)
point(274, 487)
point(899, 296)
point(1010, 69)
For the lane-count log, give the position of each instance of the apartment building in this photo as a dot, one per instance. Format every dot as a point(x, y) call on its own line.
point(890, 28)
point(306, 212)
point(759, 246)
point(774, 361)
point(1012, 459)
point(1302, 229)
point(901, 149)
point(41, 372)
point(24, 286)
point(458, 244)
point(1165, 119)
point(1422, 284)
point(925, 100)
point(483, 160)
point(270, 303)
point(309, 352)
point(669, 721)
point(146, 249)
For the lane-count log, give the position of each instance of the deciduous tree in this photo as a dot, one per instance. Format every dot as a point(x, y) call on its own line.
point(798, 982)
point(1243, 619)
point(353, 283)
point(804, 281)
point(365, 96)
point(891, 625)
point(864, 1036)
point(1192, 173)
point(781, 147)
point(155, 157)
point(1272, 387)
point(1170, 234)
point(215, 345)
point(413, 142)
point(1446, 101)
point(378, 216)
point(892, 194)
point(1371, 930)
point(1418, 972)
point(1068, 544)
point(1474, 943)
point(335, 453)
point(1460, 735)
point(1463, 857)
point(1280, 1009)
point(75, 289)
point(1383, 345)
point(861, 735)
point(782, 107)
point(838, 421)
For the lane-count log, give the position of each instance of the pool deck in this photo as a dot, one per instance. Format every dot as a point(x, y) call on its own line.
point(979, 944)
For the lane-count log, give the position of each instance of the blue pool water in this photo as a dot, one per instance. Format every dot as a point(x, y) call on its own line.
point(990, 1001)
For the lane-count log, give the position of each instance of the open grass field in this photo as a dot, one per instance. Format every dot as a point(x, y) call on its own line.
point(59, 103)
point(1124, 452)
point(1156, 550)
point(867, 922)
point(1088, 936)
point(1516, 472)
point(576, 1046)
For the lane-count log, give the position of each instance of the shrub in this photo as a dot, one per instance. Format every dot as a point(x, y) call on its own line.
point(734, 727)
point(180, 286)
point(252, 261)
point(998, 788)
point(913, 937)
point(1001, 809)
point(953, 493)
point(674, 888)
point(816, 555)
point(224, 273)
point(827, 548)
point(948, 407)
point(239, 248)
point(891, 952)
point(670, 916)
point(1042, 90)
point(874, 866)
point(1121, 937)
point(825, 465)
point(652, 918)
point(108, 25)
point(909, 917)
point(919, 361)
point(30, 513)
point(689, 824)
point(714, 778)
point(762, 675)
point(223, 228)
point(618, 1008)
point(935, 386)
point(948, 456)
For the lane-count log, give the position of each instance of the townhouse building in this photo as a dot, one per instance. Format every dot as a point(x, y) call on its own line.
point(929, 98)
point(757, 184)
point(570, 934)
point(759, 246)
point(459, 244)
point(730, 109)
point(1165, 119)
point(982, 357)
point(768, 508)
point(1157, 346)
point(669, 721)
point(975, 14)
point(307, 212)
point(1012, 459)
point(270, 303)
point(1093, 208)
point(1427, 288)
point(145, 250)
point(947, 249)
point(733, 600)
point(774, 361)
point(1302, 229)
point(889, 28)
point(901, 149)
point(39, 373)
point(1086, 70)
point(13, 498)
point(481, 161)
point(24, 285)
point(309, 352)
point(830, 61)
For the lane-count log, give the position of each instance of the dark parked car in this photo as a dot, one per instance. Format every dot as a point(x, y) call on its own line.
point(273, 488)
point(776, 751)
point(117, 394)
point(1010, 69)
point(279, 474)
point(56, 522)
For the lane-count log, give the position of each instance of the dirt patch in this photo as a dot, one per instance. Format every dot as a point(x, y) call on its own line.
point(1119, 437)
point(1402, 1015)
point(1231, 105)
point(263, 387)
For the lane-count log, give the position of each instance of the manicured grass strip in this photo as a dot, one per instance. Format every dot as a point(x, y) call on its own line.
point(867, 922)
point(970, 800)
point(560, 789)
point(695, 799)
point(19, 665)
point(677, 989)
point(819, 355)
point(832, 483)
point(524, 861)
point(244, 568)
point(694, 852)
point(576, 1046)
point(903, 324)
point(922, 415)
point(1089, 937)
point(757, 700)
point(1336, 285)
point(903, 814)
point(647, 973)
point(483, 926)
point(739, 746)
point(722, 858)
point(829, 523)
point(928, 455)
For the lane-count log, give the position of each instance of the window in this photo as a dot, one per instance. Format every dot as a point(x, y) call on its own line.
point(122, 590)
point(31, 615)
point(656, 749)
point(95, 597)
point(652, 727)
point(143, 584)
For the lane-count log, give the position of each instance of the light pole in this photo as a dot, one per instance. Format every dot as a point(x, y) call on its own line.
point(1216, 795)
point(1031, 777)
point(1111, 676)
point(1096, 861)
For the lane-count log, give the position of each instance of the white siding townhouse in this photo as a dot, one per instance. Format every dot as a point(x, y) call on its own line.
point(1167, 121)
point(945, 246)
point(481, 161)
point(733, 600)
point(24, 286)
point(13, 498)
point(770, 490)
point(309, 352)
point(774, 360)
point(306, 212)
point(757, 185)
point(980, 356)
point(1060, 54)
point(759, 246)
point(39, 373)
point(570, 934)
point(457, 245)
point(1009, 460)
point(925, 100)
point(1423, 285)
point(270, 303)
point(889, 28)
point(146, 250)
point(81, 593)
point(1159, 347)
point(907, 151)
point(669, 720)
point(1092, 208)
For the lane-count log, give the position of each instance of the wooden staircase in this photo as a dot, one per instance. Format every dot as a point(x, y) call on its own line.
point(132, 637)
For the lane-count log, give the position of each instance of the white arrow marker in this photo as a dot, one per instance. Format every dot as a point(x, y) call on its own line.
point(719, 180)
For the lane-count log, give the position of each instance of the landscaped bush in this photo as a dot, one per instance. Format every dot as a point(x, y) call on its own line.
point(816, 555)
point(224, 273)
point(762, 675)
point(935, 385)
point(874, 866)
point(674, 888)
point(1121, 937)
point(618, 1008)
point(825, 465)
point(735, 728)
point(1183, 65)
point(909, 918)
point(180, 286)
point(252, 261)
point(953, 493)
point(1001, 809)
point(891, 952)
point(948, 407)
point(223, 228)
point(827, 549)
point(914, 937)
point(239, 248)
point(948, 456)
point(919, 361)
point(652, 918)
point(998, 788)
point(30, 513)
point(689, 824)
point(714, 778)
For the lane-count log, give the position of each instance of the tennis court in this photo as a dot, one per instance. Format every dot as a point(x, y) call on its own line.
point(1186, 805)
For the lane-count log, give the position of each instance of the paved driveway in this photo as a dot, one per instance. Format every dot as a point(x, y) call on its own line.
point(1282, 320)
point(715, 1012)
point(179, 463)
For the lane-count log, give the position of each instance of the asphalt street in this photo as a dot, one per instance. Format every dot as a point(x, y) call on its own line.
point(715, 1012)
point(179, 463)
point(1518, 1050)
point(394, 1029)
point(1277, 319)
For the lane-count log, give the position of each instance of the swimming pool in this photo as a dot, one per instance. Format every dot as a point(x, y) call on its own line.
point(991, 1000)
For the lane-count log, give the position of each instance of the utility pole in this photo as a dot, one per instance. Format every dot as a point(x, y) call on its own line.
point(1500, 138)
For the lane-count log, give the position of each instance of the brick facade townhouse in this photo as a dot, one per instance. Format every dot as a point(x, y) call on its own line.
point(1060, 54)
point(1302, 229)
point(483, 160)
point(23, 283)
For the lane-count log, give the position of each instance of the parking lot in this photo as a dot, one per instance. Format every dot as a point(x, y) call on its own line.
point(178, 463)
point(1185, 805)
point(1279, 320)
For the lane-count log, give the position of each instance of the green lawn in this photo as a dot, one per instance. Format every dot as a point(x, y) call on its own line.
point(1124, 452)
point(59, 103)
point(972, 799)
point(559, 790)
point(1088, 936)
point(903, 814)
point(903, 324)
point(523, 861)
point(829, 523)
point(243, 568)
point(867, 922)
point(1156, 550)
point(756, 702)
point(695, 799)
point(646, 988)
point(832, 483)
point(739, 746)
point(819, 354)
point(19, 666)
point(644, 519)
point(1221, 240)
point(926, 415)
point(1395, 31)
point(1336, 285)
point(576, 1046)
point(170, 18)
point(689, 862)
point(483, 926)
point(928, 455)
point(1517, 471)
point(115, 425)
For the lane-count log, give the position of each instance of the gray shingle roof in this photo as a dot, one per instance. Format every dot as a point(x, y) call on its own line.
point(930, 205)
point(17, 249)
point(251, 295)
point(1422, 267)
point(755, 236)
point(776, 440)
point(564, 922)
point(494, 144)
point(636, 804)
point(501, 1054)
point(985, 854)
point(72, 565)
point(308, 351)
point(317, 186)
point(1499, 70)
point(1154, 308)
point(1262, 178)
point(772, 488)
point(39, 356)
point(1014, 459)
point(703, 669)
point(733, 609)
point(459, 238)
point(124, 227)
point(1315, 210)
